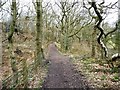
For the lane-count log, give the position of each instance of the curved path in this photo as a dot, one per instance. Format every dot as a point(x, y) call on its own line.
point(61, 73)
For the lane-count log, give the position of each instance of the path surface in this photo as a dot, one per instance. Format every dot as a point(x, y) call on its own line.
point(61, 73)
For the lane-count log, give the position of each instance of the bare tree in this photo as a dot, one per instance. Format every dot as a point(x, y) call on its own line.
point(10, 39)
point(102, 35)
point(70, 22)
point(39, 50)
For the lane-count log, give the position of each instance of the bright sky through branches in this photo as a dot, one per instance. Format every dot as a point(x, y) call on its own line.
point(111, 18)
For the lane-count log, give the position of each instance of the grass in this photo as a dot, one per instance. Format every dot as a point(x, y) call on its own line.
point(103, 77)
point(115, 78)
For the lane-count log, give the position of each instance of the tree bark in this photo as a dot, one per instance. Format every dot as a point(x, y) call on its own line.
point(39, 50)
point(118, 31)
point(10, 40)
point(93, 44)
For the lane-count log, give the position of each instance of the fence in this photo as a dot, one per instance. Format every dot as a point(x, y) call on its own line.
point(24, 73)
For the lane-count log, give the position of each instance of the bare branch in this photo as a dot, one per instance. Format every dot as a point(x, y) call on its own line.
point(112, 31)
point(99, 28)
point(1, 4)
point(84, 25)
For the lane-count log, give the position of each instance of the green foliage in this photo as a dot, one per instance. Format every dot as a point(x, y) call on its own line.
point(87, 63)
point(103, 77)
point(114, 70)
point(88, 60)
point(115, 78)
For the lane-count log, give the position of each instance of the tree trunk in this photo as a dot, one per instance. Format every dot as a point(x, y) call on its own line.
point(10, 39)
point(118, 31)
point(25, 73)
point(93, 44)
point(39, 50)
point(1, 30)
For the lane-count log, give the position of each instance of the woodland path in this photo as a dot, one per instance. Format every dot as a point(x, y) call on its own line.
point(61, 72)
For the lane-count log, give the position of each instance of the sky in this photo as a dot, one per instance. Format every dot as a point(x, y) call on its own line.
point(111, 18)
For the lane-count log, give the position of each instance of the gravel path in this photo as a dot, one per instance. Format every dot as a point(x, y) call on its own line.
point(61, 72)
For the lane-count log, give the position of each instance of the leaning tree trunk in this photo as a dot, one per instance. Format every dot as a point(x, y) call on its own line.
point(39, 50)
point(102, 34)
point(10, 39)
point(98, 26)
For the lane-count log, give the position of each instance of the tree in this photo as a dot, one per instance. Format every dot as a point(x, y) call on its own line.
point(1, 29)
point(102, 35)
point(39, 50)
point(10, 40)
point(118, 31)
point(71, 20)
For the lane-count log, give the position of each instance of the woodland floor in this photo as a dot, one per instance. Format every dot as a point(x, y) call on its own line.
point(61, 72)
point(76, 70)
